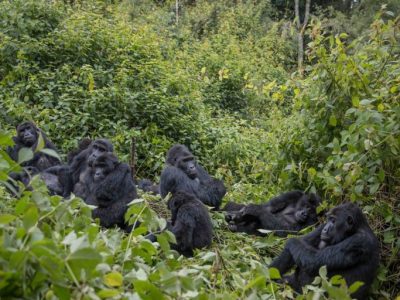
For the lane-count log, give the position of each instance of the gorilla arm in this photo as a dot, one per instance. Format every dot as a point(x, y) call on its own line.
point(282, 201)
point(343, 255)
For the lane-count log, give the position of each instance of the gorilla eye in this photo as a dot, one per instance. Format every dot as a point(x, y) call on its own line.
point(331, 219)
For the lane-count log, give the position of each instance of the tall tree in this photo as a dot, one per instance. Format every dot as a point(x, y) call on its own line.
point(301, 27)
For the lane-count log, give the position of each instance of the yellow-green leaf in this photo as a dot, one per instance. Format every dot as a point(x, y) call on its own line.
point(113, 279)
point(332, 121)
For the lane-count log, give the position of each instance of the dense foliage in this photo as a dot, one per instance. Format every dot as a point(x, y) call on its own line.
point(221, 78)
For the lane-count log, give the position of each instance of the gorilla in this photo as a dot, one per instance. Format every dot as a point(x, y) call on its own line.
point(288, 212)
point(184, 173)
point(148, 186)
point(62, 180)
point(190, 223)
point(24, 176)
point(345, 244)
point(111, 188)
point(27, 137)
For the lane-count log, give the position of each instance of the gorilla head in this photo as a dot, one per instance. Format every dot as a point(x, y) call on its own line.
point(27, 134)
point(104, 165)
point(342, 222)
point(176, 152)
point(188, 165)
point(306, 208)
point(97, 148)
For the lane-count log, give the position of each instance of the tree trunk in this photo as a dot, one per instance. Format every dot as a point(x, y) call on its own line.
point(301, 28)
point(177, 11)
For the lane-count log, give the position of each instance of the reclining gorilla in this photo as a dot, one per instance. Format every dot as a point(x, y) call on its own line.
point(345, 244)
point(190, 223)
point(27, 137)
point(288, 212)
point(110, 187)
point(185, 174)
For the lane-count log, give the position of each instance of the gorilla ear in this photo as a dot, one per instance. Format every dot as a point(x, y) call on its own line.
point(350, 220)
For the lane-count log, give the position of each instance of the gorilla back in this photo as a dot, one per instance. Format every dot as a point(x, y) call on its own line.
point(190, 223)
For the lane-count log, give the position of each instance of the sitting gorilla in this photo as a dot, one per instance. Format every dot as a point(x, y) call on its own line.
point(148, 186)
point(70, 178)
point(345, 244)
point(190, 223)
point(290, 211)
point(184, 173)
point(111, 188)
point(28, 137)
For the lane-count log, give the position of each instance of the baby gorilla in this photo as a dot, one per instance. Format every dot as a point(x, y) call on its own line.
point(345, 244)
point(111, 188)
point(288, 212)
point(190, 223)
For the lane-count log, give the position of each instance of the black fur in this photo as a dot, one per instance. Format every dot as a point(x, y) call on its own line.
point(190, 223)
point(111, 188)
point(345, 244)
point(24, 176)
point(83, 145)
point(80, 165)
point(147, 185)
point(27, 137)
point(288, 212)
point(184, 173)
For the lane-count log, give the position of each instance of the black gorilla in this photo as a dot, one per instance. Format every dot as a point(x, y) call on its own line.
point(190, 223)
point(111, 188)
point(184, 173)
point(147, 185)
point(345, 244)
point(82, 162)
point(28, 137)
point(62, 180)
point(290, 211)
point(24, 176)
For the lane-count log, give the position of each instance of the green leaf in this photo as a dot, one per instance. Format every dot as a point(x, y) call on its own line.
point(274, 273)
point(147, 290)
point(108, 293)
point(24, 154)
point(355, 286)
point(312, 172)
point(31, 217)
point(332, 121)
point(6, 218)
point(113, 279)
point(50, 152)
point(40, 143)
point(84, 259)
point(355, 100)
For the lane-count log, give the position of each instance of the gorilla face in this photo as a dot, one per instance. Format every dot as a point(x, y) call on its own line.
point(27, 134)
point(99, 147)
point(306, 208)
point(337, 227)
point(188, 165)
point(103, 165)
